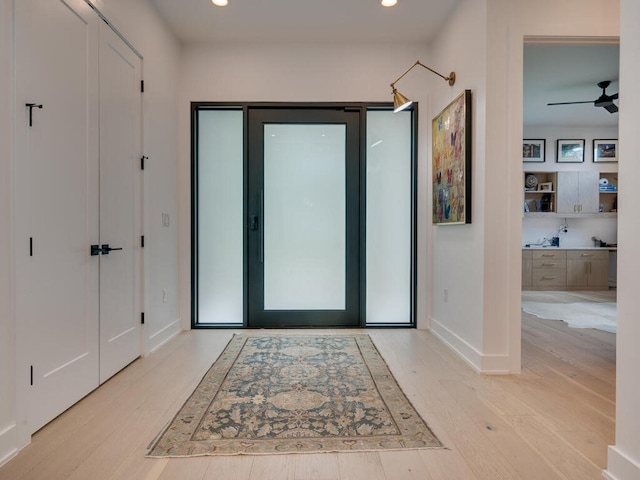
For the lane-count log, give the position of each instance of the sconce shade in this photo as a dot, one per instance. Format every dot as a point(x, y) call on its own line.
point(400, 102)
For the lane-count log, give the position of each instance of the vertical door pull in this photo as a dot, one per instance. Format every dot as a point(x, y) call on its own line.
point(31, 106)
point(262, 231)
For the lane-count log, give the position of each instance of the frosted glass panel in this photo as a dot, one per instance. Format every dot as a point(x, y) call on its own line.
point(220, 216)
point(388, 217)
point(304, 217)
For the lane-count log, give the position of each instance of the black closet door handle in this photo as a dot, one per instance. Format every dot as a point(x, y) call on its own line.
point(106, 249)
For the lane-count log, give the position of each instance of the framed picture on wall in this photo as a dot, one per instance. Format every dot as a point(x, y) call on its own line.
point(533, 150)
point(451, 162)
point(570, 151)
point(605, 150)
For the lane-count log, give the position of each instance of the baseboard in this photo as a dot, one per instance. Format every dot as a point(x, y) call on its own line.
point(8, 444)
point(620, 466)
point(163, 336)
point(486, 364)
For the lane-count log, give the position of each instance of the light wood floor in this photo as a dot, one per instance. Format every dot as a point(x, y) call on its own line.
point(552, 422)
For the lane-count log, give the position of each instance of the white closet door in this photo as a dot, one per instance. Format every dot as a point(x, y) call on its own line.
point(56, 211)
point(120, 152)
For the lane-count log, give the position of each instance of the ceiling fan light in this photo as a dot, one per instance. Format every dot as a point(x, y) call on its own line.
point(388, 3)
point(220, 3)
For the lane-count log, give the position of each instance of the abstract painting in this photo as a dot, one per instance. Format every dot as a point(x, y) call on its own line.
point(451, 162)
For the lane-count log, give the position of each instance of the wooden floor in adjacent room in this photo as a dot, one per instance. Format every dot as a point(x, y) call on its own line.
point(554, 421)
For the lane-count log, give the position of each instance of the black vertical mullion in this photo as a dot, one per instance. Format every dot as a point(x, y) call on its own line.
point(194, 215)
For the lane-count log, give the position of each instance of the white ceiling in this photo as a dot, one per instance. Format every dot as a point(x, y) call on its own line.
point(199, 21)
point(568, 73)
point(552, 73)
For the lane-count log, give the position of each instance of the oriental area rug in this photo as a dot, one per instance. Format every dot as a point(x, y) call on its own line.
point(281, 394)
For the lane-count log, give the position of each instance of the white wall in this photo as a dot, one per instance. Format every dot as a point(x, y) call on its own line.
point(624, 457)
point(457, 251)
point(7, 382)
point(141, 25)
point(485, 41)
point(296, 73)
point(581, 230)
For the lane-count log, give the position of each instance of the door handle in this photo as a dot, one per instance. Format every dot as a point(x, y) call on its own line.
point(254, 222)
point(106, 249)
point(31, 106)
point(262, 232)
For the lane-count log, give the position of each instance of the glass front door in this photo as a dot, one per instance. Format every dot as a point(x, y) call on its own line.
point(303, 217)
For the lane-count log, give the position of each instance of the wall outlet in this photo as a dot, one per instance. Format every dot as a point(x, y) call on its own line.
point(445, 295)
point(165, 220)
point(164, 295)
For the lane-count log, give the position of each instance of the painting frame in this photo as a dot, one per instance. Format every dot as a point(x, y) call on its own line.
point(605, 150)
point(451, 162)
point(533, 150)
point(570, 151)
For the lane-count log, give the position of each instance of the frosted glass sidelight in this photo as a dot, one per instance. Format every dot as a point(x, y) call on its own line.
point(388, 217)
point(304, 216)
point(220, 216)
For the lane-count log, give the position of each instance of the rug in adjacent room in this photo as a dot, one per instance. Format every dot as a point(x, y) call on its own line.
point(295, 394)
point(598, 315)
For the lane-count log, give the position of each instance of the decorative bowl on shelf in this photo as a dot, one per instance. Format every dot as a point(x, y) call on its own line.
point(530, 182)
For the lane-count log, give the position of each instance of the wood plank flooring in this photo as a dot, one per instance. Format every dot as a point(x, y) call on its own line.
point(554, 421)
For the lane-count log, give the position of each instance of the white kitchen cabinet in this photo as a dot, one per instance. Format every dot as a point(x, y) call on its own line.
point(578, 193)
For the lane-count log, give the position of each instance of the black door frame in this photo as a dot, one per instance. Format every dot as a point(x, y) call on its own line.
point(361, 107)
point(257, 315)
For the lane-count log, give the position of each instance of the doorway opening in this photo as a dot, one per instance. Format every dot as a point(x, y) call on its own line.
point(569, 244)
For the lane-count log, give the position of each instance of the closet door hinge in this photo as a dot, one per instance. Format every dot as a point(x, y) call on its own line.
point(142, 318)
point(141, 86)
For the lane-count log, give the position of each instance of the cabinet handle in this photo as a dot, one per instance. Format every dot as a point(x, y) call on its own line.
point(589, 268)
point(549, 255)
point(549, 264)
point(586, 268)
point(548, 278)
point(587, 255)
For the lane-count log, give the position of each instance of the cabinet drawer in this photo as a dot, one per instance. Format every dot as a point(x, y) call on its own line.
point(549, 254)
point(549, 278)
point(588, 254)
point(547, 263)
point(527, 254)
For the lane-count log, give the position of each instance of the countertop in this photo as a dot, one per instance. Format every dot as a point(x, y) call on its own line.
point(524, 247)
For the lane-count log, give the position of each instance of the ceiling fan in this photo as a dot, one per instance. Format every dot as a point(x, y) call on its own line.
point(604, 101)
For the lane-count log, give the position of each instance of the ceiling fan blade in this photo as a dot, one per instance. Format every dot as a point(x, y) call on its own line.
point(570, 103)
point(614, 96)
point(611, 108)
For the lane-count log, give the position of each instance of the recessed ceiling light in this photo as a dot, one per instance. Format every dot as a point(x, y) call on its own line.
point(388, 3)
point(222, 3)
